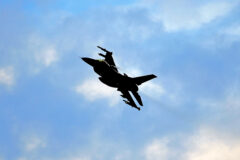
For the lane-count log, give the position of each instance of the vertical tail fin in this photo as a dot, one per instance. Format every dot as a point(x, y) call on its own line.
point(142, 79)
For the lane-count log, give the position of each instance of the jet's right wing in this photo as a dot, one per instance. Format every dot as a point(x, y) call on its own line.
point(129, 101)
point(142, 79)
point(108, 57)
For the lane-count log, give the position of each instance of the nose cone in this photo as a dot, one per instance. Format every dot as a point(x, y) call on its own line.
point(90, 61)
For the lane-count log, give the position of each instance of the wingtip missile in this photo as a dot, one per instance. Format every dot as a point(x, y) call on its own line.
point(100, 54)
point(127, 102)
point(103, 49)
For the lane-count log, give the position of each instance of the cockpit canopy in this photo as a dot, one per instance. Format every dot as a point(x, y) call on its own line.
point(102, 61)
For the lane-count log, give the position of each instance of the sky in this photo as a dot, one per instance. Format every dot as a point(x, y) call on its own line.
point(53, 107)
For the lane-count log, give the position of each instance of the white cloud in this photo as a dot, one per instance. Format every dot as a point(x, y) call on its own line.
point(228, 36)
point(211, 145)
point(204, 143)
point(223, 38)
point(184, 15)
point(33, 142)
point(47, 56)
point(7, 76)
point(93, 89)
point(153, 90)
point(233, 30)
point(77, 158)
point(132, 72)
point(157, 150)
point(230, 102)
point(42, 53)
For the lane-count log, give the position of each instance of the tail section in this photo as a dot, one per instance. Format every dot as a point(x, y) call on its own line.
point(142, 79)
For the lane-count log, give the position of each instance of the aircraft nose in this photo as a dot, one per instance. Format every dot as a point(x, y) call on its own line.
point(89, 61)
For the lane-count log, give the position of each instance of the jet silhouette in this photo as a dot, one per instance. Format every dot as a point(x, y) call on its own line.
point(110, 76)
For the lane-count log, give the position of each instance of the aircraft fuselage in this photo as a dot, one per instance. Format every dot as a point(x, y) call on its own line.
point(109, 76)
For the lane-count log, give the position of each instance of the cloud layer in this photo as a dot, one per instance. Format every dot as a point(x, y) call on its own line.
point(93, 89)
point(7, 76)
point(205, 143)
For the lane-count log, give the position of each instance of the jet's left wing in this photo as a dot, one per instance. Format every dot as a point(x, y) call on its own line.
point(108, 57)
point(129, 101)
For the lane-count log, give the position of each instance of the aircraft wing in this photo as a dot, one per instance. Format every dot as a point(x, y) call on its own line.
point(108, 57)
point(142, 79)
point(129, 101)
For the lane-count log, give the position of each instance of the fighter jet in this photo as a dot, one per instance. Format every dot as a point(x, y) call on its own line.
point(110, 76)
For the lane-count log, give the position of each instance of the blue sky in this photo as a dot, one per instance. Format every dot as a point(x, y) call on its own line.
point(52, 105)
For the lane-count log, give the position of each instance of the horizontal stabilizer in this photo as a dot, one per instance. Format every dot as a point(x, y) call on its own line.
point(142, 79)
point(123, 96)
point(138, 98)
